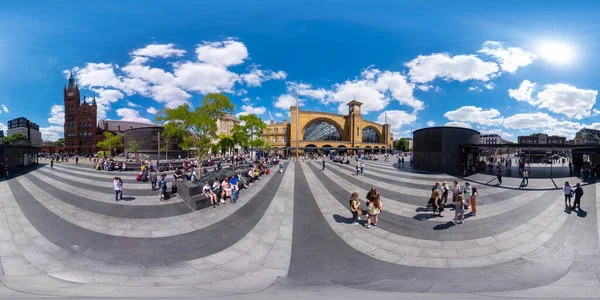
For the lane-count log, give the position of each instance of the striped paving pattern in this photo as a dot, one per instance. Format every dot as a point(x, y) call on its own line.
point(61, 227)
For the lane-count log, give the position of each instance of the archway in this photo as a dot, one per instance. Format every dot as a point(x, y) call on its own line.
point(368, 150)
point(322, 130)
point(376, 150)
point(341, 150)
point(370, 135)
point(310, 149)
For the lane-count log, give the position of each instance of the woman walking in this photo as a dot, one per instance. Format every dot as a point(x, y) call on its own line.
point(355, 208)
point(357, 169)
point(459, 213)
point(456, 190)
point(567, 190)
point(373, 207)
point(474, 202)
point(437, 203)
point(445, 190)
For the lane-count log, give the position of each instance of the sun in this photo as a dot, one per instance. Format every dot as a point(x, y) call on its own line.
point(556, 52)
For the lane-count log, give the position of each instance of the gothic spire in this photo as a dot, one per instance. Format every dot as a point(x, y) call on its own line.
point(94, 101)
point(71, 81)
point(84, 99)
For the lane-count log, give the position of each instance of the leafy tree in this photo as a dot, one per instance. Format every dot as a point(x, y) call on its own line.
point(15, 137)
point(111, 141)
point(60, 142)
point(253, 127)
point(268, 146)
point(239, 136)
point(196, 126)
point(225, 143)
point(133, 145)
point(214, 148)
point(402, 144)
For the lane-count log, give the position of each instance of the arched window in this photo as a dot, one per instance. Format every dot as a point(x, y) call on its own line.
point(369, 135)
point(322, 131)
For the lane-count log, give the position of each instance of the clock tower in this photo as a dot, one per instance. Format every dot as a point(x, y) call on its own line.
point(80, 121)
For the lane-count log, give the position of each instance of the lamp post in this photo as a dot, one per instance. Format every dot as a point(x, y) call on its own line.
point(297, 108)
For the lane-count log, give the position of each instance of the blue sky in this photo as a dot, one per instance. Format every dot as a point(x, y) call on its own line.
point(509, 67)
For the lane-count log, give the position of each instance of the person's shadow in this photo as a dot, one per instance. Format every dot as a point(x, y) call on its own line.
point(444, 226)
point(342, 219)
point(127, 198)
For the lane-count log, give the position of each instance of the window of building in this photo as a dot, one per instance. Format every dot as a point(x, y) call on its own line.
point(268, 130)
point(275, 130)
point(284, 129)
point(369, 135)
point(276, 140)
point(322, 131)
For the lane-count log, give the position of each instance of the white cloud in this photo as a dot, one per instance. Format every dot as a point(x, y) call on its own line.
point(426, 68)
point(132, 115)
point(279, 115)
point(524, 92)
point(396, 118)
point(52, 132)
point(151, 110)
point(57, 115)
point(430, 123)
point(472, 114)
point(427, 87)
point(286, 101)
point(205, 78)
point(131, 104)
point(558, 98)
point(4, 108)
point(3, 127)
point(256, 77)
point(474, 89)
point(500, 132)
point(490, 86)
point(223, 54)
point(159, 50)
point(529, 121)
point(246, 100)
point(247, 110)
point(104, 100)
point(458, 124)
point(511, 58)
point(568, 100)
point(171, 96)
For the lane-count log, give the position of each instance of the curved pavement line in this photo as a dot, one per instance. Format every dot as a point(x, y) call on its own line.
point(252, 264)
point(138, 188)
point(474, 228)
point(105, 195)
point(142, 228)
point(381, 175)
point(145, 251)
point(409, 210)
point(402, 250)
point(89, 203)
point(383, 186)
point(320, 256)
point(389, 169)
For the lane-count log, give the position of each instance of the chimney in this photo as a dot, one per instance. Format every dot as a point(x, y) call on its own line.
point(272, 122)
point(284, 122)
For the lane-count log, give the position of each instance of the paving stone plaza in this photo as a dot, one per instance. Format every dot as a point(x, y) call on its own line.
point(290, 236)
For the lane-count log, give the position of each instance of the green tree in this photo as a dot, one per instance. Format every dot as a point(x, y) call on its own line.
point(111, 141)
point(214, 148)
point(133, 146)
point(60, 142)
point(15, 137)
point(253, 127)
point(225, 143)
point(195, 126)
point(239, 136)
point(401, 144)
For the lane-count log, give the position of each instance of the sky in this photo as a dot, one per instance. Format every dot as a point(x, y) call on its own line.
point(507, 67)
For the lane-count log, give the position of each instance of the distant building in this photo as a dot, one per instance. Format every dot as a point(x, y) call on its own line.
point(492, 139)
point(27, 128)
point(80, 126)
point(1, 134)
point(49, 147)
point(542, 138)
point(410, 144)
point(587, 136)
point(225, 124)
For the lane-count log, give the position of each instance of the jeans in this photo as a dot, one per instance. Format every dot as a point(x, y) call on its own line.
point(116, 195)
point(499, 179)
point(568, 197)
point(153, 185)
point(577, 202)
point(525, 181)
point(354, 216)
point(362, 171)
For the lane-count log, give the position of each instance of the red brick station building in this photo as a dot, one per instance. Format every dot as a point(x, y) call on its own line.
point(81, 132)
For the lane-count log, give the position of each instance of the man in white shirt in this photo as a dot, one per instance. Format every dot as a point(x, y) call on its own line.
point(456, 190)
point(525, 180)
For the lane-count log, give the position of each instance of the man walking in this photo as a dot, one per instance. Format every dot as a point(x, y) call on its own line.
point(323, 162)
point(117, 184)
point(578, 194)
point(499, 175)
point(52, 163)
point(525, 181)
point(77, 160)
point(153, 178)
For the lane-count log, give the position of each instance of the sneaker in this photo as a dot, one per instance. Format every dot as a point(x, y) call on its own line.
point(368, 226)
point(354, 223)
point(222, 201)
point(374, 224)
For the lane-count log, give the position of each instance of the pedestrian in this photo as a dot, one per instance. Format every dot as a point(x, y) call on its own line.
point(374, 207)
point(525, 181)
point(456, 190)
point(437, 207)
point(323, 162)
point(445, 191)
point(357, 168)
point(578, 194)
point(468, 192)
point(121, 188)
point(432, 198)
point(567, 190)
point(499, 175)
point(153, 179)
point(216, 187)
point(473, 201)
point(117, 185)
point(77, 160)
point(355, 208)
point(162, 184)
point(570, 167)
point(362, 168)
point(52, 163)
point(459, 212)
point(235, 190)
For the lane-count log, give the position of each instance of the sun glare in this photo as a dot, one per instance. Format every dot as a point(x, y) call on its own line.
point(556, 52)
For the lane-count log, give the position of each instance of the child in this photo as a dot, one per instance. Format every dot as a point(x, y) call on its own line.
point(567, 190)
point(355, 208)
point(578, 194)
point(459, 213)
